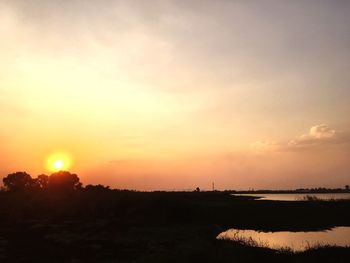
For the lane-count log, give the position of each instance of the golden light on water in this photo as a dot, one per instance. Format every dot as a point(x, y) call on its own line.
point(58, 162)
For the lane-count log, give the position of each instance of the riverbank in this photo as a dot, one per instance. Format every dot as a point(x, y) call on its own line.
point(125, 226)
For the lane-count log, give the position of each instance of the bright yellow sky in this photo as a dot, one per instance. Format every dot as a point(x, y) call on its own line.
point(170, 95)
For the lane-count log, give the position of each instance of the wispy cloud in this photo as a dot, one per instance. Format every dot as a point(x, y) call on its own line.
point(265, 146)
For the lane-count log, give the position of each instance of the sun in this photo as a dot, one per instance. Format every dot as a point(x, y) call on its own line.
point(59, 162)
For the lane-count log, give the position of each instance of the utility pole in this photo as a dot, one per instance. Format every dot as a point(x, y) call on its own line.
point(213, 186)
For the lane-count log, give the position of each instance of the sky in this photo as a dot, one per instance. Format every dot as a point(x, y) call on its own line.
point(171, 95)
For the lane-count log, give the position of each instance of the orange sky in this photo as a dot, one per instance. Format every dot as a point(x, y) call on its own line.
point(175, 95)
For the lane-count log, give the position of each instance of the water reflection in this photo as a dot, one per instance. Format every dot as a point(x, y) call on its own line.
point(299, 197)
point(297, 241)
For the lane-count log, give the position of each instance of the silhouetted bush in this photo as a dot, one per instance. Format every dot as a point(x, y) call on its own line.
point(64, 181)
point(98, 187)
point(42, 181)
point(18, 181)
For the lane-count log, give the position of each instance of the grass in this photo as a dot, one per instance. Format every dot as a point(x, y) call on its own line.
point(235, 236)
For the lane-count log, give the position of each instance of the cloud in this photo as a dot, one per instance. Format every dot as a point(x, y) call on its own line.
point(322, 131)
point(318, 136)
point(264, 146)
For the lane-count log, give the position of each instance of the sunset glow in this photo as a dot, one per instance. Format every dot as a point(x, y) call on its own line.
point(59, 162)
point(137, 131)
point(177, 94)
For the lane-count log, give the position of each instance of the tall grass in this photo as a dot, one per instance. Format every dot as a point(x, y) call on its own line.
point(235, 236)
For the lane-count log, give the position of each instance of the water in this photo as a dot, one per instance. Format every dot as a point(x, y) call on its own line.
point(297, 241)
point(299, 197)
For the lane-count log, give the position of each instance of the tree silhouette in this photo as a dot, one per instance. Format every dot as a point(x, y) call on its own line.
point(18, 181)
point(42, 181)
point(64, 181)
point(98, 187)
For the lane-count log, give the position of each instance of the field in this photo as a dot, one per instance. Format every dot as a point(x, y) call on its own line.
point(127, 226)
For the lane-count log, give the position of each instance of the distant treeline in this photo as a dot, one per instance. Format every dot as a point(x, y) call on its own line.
point(64, 181)
point(320, 190)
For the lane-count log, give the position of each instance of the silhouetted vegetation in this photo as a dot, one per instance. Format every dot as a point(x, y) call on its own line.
point(99, 224)
point(318, 190)
point(97, 188)
point(42, 182)
point(64, 181)
point(18, 181)
point(61, 181)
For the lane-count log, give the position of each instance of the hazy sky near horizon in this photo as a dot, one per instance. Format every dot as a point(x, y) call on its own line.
point(178, 94)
